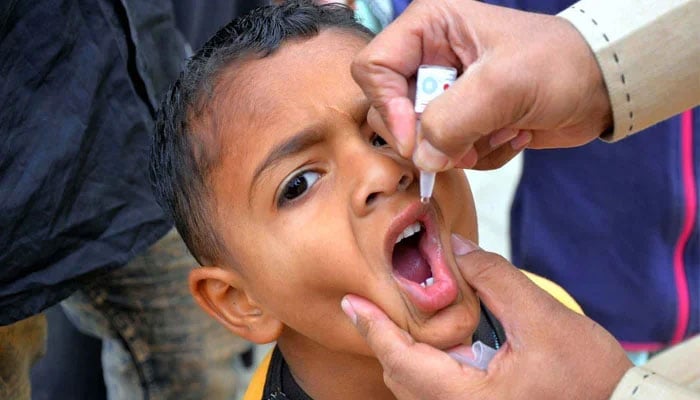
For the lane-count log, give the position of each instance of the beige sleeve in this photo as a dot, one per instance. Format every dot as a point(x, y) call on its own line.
point(649, 53)
point(642, 384)
point(672, 374)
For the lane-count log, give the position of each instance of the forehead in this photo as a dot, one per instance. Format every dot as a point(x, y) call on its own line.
point(303, 72)
point(261, 102)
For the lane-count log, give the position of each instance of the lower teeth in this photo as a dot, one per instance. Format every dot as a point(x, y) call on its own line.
point(428, 282)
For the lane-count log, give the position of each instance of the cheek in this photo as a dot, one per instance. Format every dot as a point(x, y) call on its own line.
point(309, 305)
point(457, 204)
point(300, 277)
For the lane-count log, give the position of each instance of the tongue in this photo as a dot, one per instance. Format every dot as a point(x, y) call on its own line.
point(408, 261)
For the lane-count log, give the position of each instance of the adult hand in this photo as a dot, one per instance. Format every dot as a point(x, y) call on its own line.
point(528, 80)
point(551, 352)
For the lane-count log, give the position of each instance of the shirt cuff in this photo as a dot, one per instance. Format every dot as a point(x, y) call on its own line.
point(648, 52)
point(589, 26)
point(642, 384)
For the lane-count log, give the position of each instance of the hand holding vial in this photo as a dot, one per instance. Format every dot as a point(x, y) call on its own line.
point(509, 94)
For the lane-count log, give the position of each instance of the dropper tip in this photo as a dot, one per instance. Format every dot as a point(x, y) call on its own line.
point(427, 182)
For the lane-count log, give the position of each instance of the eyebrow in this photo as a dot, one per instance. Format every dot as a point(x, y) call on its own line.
point(360, 109)
point(297, 143)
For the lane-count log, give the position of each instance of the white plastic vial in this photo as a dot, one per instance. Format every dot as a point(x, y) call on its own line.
point(432, 81)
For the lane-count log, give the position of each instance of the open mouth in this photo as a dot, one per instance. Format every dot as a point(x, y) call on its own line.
point(407, 259)
point(418, 259)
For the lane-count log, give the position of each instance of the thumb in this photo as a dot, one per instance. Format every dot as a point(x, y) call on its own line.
point(388, 91)
point(507, 292)
point(383, 69)
point(385, 339)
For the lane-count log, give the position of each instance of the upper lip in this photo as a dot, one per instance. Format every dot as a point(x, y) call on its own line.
point(416, 211)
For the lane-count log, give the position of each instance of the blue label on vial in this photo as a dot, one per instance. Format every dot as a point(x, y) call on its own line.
point(429, 85)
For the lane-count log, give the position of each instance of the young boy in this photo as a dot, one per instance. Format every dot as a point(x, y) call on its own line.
point(284, 193)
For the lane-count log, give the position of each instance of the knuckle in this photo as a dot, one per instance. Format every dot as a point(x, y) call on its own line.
point(360, 68)
point(439, 135)
point(394, 364)
point(366, 327)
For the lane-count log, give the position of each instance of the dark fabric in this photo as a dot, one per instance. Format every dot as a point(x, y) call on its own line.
point(489, 331)
point(280, 384)
point(198, 23)
point(603, 221)
point(79, 81)
point(64, 373)
point(290, 387)
point(273, 389)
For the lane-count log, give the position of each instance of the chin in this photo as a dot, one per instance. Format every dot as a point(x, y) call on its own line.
point(453, 326)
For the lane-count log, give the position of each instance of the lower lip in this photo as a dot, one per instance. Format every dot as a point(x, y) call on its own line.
point(443, 291)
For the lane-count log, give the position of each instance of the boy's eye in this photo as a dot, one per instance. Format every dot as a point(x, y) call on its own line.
point(377, 141)
point(297, 186)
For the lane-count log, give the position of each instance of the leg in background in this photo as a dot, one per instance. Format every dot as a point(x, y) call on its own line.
point(157, 343)
point(21, 345)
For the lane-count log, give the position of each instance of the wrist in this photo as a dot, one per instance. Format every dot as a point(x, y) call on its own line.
point(598, 115)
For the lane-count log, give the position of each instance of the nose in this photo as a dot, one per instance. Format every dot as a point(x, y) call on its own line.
point(380, 174)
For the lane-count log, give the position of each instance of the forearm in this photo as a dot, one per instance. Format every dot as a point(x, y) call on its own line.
point(649, 54)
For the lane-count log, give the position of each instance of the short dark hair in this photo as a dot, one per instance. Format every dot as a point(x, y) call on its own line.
point(181, 157)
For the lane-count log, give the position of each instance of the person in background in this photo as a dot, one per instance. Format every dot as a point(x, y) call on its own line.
point(630, 255)
point(81, 81)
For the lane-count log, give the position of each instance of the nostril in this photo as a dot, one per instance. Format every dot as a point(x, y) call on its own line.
point(404, 182)
point(370, 199)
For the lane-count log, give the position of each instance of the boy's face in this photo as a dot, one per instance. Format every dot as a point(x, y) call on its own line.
point(309, 203)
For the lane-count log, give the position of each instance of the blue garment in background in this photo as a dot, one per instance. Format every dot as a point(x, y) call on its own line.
point(399, 6)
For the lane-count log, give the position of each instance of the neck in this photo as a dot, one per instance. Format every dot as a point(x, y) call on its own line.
point(325, 374)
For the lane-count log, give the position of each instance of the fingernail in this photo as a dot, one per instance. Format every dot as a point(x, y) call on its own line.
point(462, 246)
point(348, 310)
point(501, 137)
point(401, 134)
point(429, 158)
point(522, 140)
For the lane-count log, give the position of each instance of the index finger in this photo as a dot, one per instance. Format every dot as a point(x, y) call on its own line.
point(383, 69)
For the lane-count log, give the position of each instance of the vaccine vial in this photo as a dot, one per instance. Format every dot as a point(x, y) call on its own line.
point(432, 81)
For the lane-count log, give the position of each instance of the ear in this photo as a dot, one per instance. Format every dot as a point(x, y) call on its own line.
point(219, 291)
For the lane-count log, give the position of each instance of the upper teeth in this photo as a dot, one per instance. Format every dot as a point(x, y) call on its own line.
point(409, 231)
